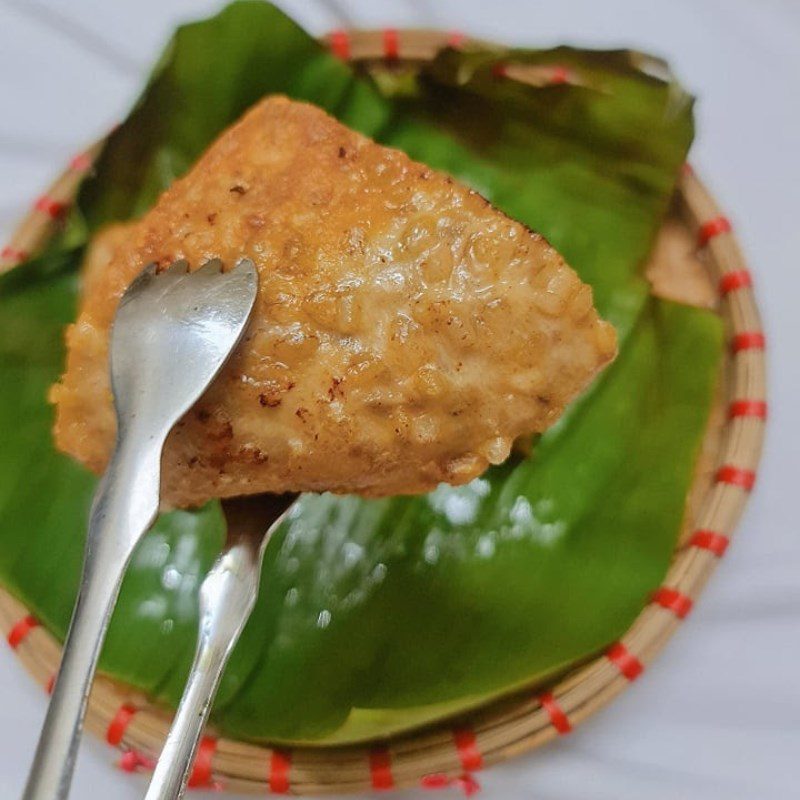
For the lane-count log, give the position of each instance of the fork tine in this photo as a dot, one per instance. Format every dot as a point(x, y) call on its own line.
point(172, 275)
point(138, 283)
point(245, 265)
point(244, 276)
point(245, 272)
point(176, 269)
point(145, 276)
point(212, 267)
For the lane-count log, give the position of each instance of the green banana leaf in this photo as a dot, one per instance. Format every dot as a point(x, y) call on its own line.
point(378, 615)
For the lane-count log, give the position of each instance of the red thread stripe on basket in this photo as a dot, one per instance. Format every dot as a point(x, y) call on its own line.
point(748, 340)
point(735, 476)
point(50, 685)
point(80, 162)
point(340, 44)
point(625, 661)
point(20, 630)
point(715, 543)
point(438, 780)
point(500, 69)
point(711, 228)
point(128, 761)
point(731, 281)
point(467, 747)
point(747, 408)
point(676, 602)
point(558, 718)
point(280, 762)
point(119, 724)
point(133, 760)
point(380, 768)
point(391, 43)
point(53, 208)
point(201, 771)
point(9, 253)
point(455, 39)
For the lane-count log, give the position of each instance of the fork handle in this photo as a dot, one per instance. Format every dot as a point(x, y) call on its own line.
point(227, 596)
point(125, 505)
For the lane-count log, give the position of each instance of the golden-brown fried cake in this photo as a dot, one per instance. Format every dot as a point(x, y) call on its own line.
point(405, 331)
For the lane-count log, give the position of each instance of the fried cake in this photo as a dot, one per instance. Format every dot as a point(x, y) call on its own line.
point(404, 334)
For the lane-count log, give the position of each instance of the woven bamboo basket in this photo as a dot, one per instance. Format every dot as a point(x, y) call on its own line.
point(696, 260)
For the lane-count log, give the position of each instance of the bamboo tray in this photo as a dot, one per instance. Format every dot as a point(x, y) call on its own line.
point(696, 260)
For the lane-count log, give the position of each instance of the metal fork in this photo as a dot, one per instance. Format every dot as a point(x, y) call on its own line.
point(171, 335)
point(227, 596)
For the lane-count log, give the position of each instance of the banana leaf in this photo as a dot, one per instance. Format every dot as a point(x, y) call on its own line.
point(379, 615)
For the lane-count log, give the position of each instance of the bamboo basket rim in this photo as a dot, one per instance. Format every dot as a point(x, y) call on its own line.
point(448, 752)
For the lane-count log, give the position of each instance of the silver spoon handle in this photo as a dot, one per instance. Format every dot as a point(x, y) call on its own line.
point(124, 507)
point(227, 596)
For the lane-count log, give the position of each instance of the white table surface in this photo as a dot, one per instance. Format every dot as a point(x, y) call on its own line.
point(718, 715)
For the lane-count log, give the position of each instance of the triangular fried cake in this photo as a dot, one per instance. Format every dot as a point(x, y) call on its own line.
point(405, 331)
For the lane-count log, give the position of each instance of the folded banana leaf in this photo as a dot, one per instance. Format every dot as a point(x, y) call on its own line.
point(379, 615)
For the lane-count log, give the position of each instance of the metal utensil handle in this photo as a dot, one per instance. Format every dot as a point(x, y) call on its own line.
point(125, 505)
point(227, 596)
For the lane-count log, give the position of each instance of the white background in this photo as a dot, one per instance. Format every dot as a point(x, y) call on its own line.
point(718, 715)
